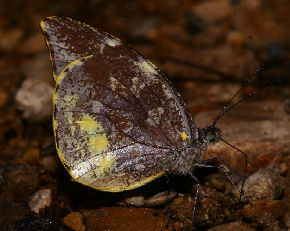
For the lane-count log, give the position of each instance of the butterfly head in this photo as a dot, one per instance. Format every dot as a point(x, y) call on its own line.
point(212, 133)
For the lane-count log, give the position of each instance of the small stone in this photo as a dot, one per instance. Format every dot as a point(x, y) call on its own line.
point(213, 11)
point(235, 38)
point(34, 98)
point(1, 180)
point(38, 67)
point(36, 222)
point(3, 98)
point(40, 200)
point(50, 163)
point(283, 168)
point(266, 184)
point(160, 199)
point(137, 201)
point(268, 214)
point(10, 39)
point(235, 225)
point(212, 208)
point(10, 212)
point(75, 221)
point(33, 44)
point(32, 155)
point(20, 180)
point(126, 218)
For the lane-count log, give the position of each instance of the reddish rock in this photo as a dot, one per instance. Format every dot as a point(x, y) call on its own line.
point(126, 219)
point(235, 225)
point(268, 214)
point(266, 184)
point(75, 221)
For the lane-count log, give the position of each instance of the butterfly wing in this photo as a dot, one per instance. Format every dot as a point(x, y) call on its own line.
point(69, 40)
point(117, 120)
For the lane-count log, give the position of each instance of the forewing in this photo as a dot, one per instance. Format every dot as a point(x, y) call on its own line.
point(69, 40)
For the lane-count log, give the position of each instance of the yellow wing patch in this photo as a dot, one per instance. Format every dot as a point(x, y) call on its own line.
point(89, 124)
point(98, 143)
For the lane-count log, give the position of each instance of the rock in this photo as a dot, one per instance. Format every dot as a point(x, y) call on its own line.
point(35, 222)
point(235, 225)
point(160, 199)
point(235, 38)
point(268, 214)
point(32, 155)
point(126, 219)
point(258, 25)
point(213, 11)
point(10, 212)
point(137, 201)
point(33, 44)
point(75, 220)
point(50, 163)
point(40, 200)
point(10, 39)
point(261, 134)
point(3, 98)
point(20, 181)
point(233, 62)
point(154, 201)
point(266, 184)
point(212, 208)
point(34, 98)
point(38, 67)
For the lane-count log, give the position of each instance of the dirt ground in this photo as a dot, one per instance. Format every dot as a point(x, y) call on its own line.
point(207, 49)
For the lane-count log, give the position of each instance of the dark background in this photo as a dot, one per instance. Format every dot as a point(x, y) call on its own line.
point(206, 48)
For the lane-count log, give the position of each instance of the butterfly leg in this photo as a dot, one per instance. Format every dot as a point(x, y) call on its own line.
point(227, 174)
point(195, 197)
point(224, 162)
point(168, 194)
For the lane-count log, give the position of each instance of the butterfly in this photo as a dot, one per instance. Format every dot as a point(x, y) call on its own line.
point(118, 122)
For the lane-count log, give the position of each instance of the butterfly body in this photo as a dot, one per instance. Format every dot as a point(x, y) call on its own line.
point(118, 122)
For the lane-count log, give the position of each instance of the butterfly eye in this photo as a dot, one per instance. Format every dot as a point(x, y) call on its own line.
point(213, 134)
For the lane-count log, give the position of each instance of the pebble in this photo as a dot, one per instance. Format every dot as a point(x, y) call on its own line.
point(213, 11)
point(10, 212)
point(3, 98)
point(40, 200)
point(235, 38)
point(38, 67)
point(50, 163)
point(126, 219)
point(36, 222)
point(10, 39)
point(34, 98)
point(235, 225)
point(266, 184)
point(268, 214)
point(137, 201)
point(233, 61)
point(159, 199)
point(20, 181)
point(75, 221)
point(212, 208)
point(32, 155)
point(33, 44)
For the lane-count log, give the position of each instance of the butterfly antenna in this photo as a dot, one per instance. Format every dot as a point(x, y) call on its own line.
point(228, 105)
point(245, 169)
